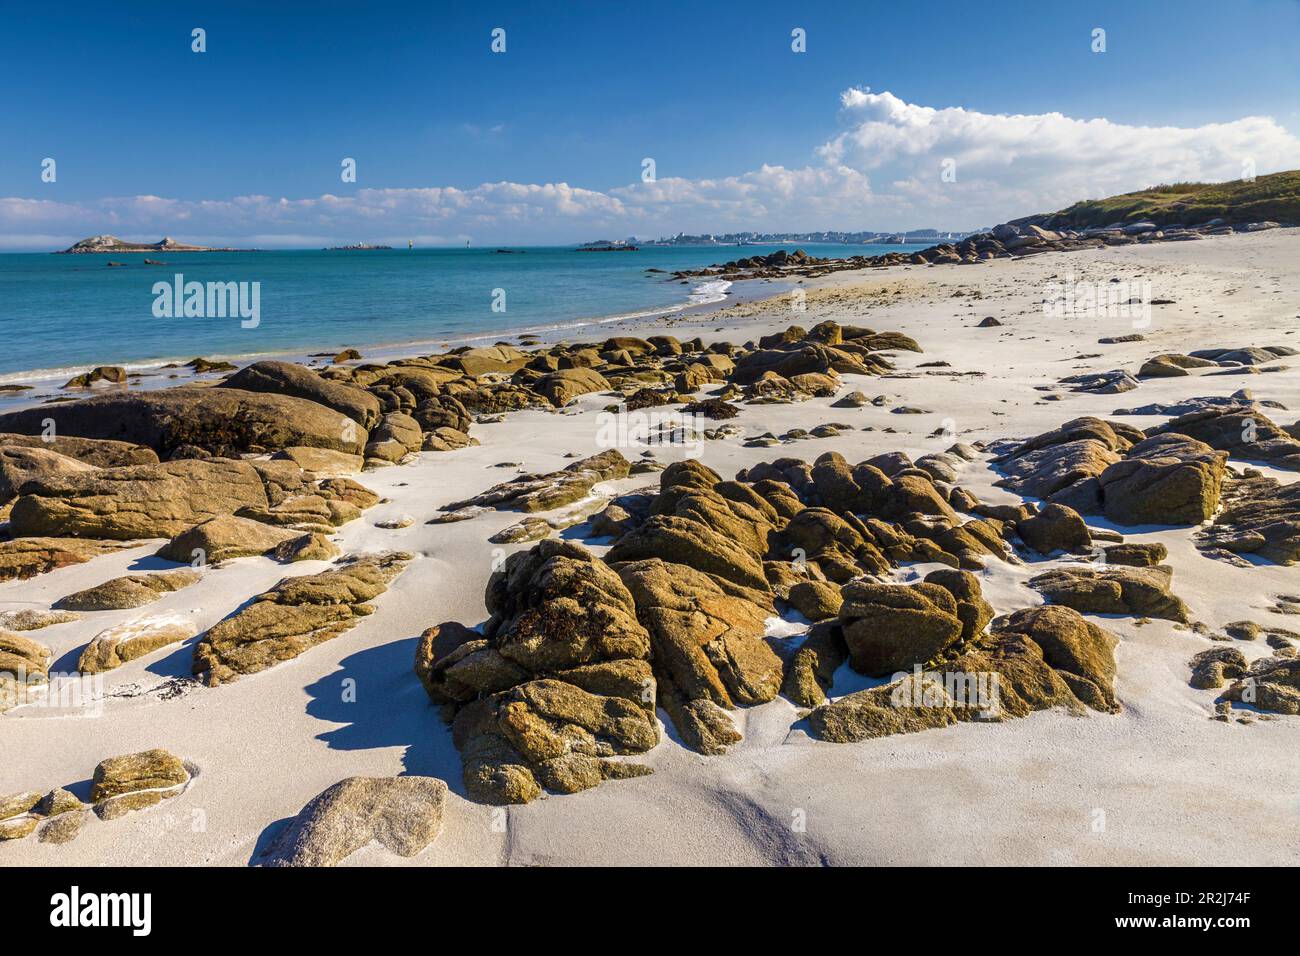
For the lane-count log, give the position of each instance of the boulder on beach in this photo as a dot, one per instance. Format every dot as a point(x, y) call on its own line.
point(224, 537)
point(298, 381)
point(708, 643)
point(26, 557)
point(1166, 479)
point(18, 465)
point(1260, 517)
point(295, 616)
point(102, 453)
point(1270, 683)
point(890, 627)
point(131, 590)
point(138, 501)
point(1035, 659)
point(562, 387)
point(1113, 590)
point(117, 645)
point(135, 781)
point(222, 421)
point(402, 814)
point(24, 665)
point(545, 492)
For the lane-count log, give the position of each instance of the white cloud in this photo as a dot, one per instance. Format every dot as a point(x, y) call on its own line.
point(881, 171)
point(1010, 165)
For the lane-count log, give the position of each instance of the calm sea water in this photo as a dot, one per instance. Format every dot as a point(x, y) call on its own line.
point(66, 313)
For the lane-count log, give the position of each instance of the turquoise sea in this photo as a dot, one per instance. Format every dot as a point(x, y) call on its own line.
point(65, 313)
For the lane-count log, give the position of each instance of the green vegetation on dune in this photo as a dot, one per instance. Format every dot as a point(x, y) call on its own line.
point(1273, 197)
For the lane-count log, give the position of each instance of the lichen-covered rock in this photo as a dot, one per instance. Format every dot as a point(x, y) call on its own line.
point(33, 619)
point(20, 464)
point(321, 461)
point(707, 637)
point(294, 616)
point(287, 378)
point(815, 600)
point(563, 386)
point(1260, 516)
point(557, 685)
point(1212, 667)
point(139, 501)
point(1166, 479)
point(18, 827)
point(125, 642)
point(684, 540)
point(800, 360)
point(1057, 460)
point(890, 627)
point(15, 804)
point(545, 492)
point(1055, 528)
point(434, 655)
point(101, 453)
point(311, 546)
point(27, 557)
point(221, 421)
point(1241, 430)
point(64, 828)
point(909, 705)
point(134, 781)
point(394, 437)
point(403, 814)
point(1270, 683)
point(529, 529)
point(558, 606)
point(132, 590)
point(225, 537)
point(1113, 590)
point(1136, 554)
point(972, 610)
point(811, 670)
point(1034, 659)
point(1080, 654)
point(24, 665)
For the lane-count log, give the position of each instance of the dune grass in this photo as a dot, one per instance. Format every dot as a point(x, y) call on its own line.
point(1275, 196)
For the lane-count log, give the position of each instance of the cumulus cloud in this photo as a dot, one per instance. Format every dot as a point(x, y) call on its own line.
point(1007, 165)
point(884, 169)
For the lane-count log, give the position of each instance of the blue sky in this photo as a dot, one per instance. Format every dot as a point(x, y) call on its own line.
point(585, 91)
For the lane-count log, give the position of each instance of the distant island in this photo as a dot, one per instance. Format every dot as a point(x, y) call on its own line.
point(356, 247)
point(609, 245)
point(97, 244)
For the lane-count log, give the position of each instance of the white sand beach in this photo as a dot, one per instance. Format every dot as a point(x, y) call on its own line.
point(1160, 782)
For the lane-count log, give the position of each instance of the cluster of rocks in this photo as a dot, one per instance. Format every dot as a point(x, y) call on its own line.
point(560, 685)
point(1109, 468)
point(1034, 659)
point(1228, 361)
point(119, 786)
point(1270, 683)
point(557, 686)
point(1172, 474)
point(382, 413)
